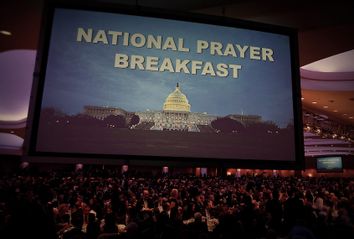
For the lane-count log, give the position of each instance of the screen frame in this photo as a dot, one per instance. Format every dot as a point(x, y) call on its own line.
point(329, 170)
point(30, 151)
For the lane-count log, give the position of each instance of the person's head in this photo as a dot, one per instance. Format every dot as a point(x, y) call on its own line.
point(173, 204)
point(174, 193)
point(197, 217)
point(77, 219)
point(309, 197)
point(166, 206)
point(110, 223)
point(201, 197)
point(91, 217)
point(132, 229)
point(146, 193)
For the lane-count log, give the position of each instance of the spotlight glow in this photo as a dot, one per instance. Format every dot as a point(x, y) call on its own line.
point(6, 33)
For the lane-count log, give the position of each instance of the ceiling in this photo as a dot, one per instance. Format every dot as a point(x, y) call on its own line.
point(325, 35)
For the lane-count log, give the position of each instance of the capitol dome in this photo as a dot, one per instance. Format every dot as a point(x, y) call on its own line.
point(177, 101)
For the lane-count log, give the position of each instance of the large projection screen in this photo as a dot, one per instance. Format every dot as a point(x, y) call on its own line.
point(122, 84)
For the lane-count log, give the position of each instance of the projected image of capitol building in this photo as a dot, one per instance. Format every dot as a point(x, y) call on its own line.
point(175, 115)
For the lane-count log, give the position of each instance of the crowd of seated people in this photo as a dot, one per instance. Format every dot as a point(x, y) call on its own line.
point(320, 124)
point(106, 204)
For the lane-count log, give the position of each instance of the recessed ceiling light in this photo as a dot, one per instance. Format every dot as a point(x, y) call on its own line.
point(344, 114)
point(7, 33)
point(335, 111)
point(325, 106)
point(314, 102)
point(302, 98)
point(351, 117)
